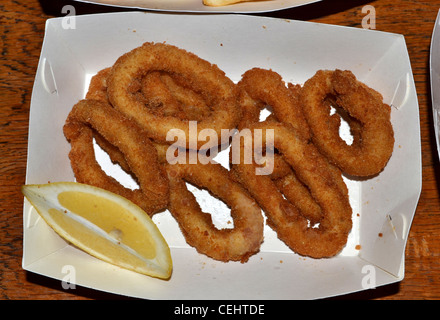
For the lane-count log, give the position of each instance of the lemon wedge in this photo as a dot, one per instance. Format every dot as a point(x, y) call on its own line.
point(103, 224)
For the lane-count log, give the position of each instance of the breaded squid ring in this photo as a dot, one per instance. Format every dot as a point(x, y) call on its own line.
point(200, 75)
point(374, 136)
point(304, 187)
point(311, 168)
point(162, 90)
point(236, 244)
point(258, 88)
point(137, 149)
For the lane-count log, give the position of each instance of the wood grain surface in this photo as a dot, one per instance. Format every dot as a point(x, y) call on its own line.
point(22, 26)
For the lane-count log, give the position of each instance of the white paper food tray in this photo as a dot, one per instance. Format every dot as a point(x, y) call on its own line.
point(198, 6)
point(383, 205)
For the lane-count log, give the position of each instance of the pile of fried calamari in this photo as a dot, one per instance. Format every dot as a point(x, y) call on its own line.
point(158, 91)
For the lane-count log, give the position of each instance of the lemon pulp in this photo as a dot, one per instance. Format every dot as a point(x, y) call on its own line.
point(111, 218)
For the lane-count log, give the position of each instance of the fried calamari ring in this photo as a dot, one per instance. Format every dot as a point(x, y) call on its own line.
point(208, 80)
point(259, 88)
point(311, 168)
point(236, 244)
point(374, 137)
point(98, 91)
point(160, 92)
point(132, 142)
point(158, 89)
point(304, 188)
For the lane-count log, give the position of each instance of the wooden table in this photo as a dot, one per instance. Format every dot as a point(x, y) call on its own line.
point(22, 27)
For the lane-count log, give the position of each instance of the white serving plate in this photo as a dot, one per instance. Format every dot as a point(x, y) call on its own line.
point(198, 6)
